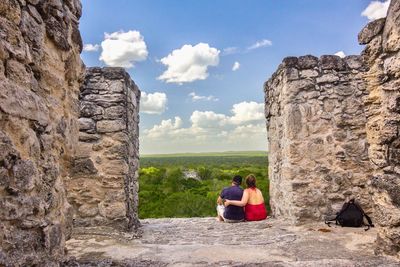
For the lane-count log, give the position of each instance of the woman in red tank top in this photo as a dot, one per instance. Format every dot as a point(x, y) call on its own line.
point(252, 201)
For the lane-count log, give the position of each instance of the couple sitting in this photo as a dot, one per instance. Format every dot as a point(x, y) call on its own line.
point(232, 200)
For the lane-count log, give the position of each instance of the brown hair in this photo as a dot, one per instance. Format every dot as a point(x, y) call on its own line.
point(251, 181)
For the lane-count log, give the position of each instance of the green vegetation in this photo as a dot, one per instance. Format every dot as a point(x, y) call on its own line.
point(165, 190)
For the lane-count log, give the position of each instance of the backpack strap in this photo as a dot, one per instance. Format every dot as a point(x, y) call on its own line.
point(344, 207)
point(369, 220)
point(330, 222)
point(370, 224)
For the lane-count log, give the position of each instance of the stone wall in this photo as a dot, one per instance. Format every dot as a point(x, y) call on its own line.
point(317, 139)
point(382, 54)
point(103, 188)
point(40, 70)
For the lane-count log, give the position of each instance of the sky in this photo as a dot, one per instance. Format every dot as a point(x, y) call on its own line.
point(201, 65)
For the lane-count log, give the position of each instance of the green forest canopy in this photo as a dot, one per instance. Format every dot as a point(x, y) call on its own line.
point(165, 192)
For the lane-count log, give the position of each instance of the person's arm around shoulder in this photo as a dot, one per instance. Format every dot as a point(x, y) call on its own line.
point(240, 203)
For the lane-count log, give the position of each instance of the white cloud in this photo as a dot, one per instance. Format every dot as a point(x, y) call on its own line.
point(189, 63)
point(247, 112)
point(245, 132)
point(154, 103)
point(236, 66)
point(260, 44)
point(200, 97)
point(123, 49)
point(166, 128)
point(340, 54)
point(376, 10)
point(209, 131)
point(230, 50)
point(91, 47)
point(208, 119)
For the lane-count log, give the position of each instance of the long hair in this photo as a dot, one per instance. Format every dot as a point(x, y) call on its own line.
point(251, 181)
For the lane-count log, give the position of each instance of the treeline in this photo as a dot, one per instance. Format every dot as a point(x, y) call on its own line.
point(165, 192)
point(194, 161)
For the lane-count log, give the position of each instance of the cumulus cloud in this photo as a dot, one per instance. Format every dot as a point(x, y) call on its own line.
point(189, 63)
point(247, 112)
point(200, 97)
point(208, 119)
point(166, 128)
point(376, 10)
point(244, 129)
point(91, 47)
point(123, 49)
point(236, 66)
point(153, 103)
point(340, 54)
point(248, 131)
point(260, 44)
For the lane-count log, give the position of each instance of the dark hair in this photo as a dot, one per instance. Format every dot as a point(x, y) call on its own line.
point(251, 181)
point(237, 179)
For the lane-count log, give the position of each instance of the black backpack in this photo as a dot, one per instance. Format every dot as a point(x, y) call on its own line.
point(351, 215)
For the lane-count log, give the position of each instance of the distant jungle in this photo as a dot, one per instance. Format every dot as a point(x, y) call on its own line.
point(187, 185)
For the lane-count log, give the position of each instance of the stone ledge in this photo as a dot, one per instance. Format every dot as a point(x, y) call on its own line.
point(206, 242)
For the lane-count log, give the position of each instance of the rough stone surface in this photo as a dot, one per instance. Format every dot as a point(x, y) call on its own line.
point(317, 139)
point(383, 128)
point(40, 68)
point(103, 189)
point(323, 118)
point(206, 242)
point(371, 30)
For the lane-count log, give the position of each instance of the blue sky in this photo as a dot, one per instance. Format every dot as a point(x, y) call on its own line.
point(193, 99)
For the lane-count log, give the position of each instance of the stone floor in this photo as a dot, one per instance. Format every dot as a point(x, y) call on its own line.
point(206, 242)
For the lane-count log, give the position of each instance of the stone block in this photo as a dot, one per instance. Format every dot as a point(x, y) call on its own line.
point(112, 211)
point(115, 112)
point(89, 109)
point(328, 78)
point(109, 126)
point(329, 62)
point(371, 30)
point(290, 62)
point(106, 100)
point(88, 137)
point(309, 73)
point(19, 102)
point(24, 176)
point(354, 62)
point(83, 166)
point(86, 124)
point(307, 62)
point(87, 210)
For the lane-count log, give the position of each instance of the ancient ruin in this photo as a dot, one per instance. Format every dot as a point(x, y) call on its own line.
point(103, 186)
point(40, 71)
point(69, 147)
point(333, 128)
point(382, 54)
point(316, 127)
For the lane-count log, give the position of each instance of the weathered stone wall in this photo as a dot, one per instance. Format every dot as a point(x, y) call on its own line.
point(317, 139)
point(40, 70)
point(382, 54)
point(103, 188)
